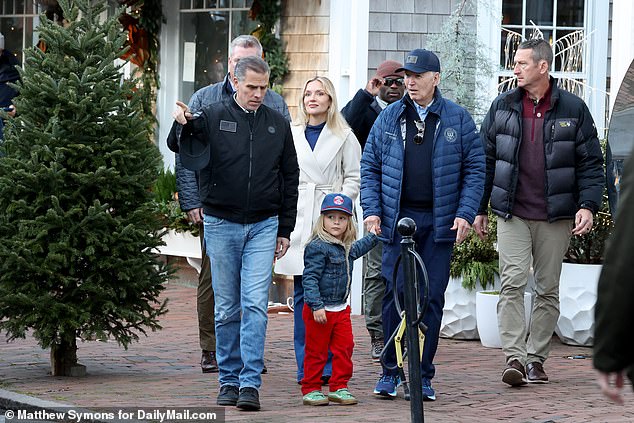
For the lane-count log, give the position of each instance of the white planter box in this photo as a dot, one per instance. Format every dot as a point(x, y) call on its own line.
point(487, 317)
point(182, 244)
point(459, 312)
point(577, 297)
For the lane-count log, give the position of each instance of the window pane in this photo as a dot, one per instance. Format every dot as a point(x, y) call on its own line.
point(534, 32)
point(512, 12)
point(569, 51)
point(238, 3)
point(506, 83)
point(12, 29)
point(8, 7)
point(199, 4)
point(19, 7)
point(211, 4)
point(575, 86)
point(186, 4)
point(209, 31)
point(510, 41)
point(570, 13)
point(241, 24)
point(539, 11)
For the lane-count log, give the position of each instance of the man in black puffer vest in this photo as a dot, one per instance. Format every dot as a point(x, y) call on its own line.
point(545, 181)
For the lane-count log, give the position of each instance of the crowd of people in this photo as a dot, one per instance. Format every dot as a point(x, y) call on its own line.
point(267, 192)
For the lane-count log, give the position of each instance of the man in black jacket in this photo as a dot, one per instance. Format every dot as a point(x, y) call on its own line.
point(189, 198)
point(545, 181)
point(248, 172)
point(614, 313)
point(386, 87)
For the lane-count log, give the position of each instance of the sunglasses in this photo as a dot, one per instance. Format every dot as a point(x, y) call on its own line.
point(420, 127)
point(389, 81)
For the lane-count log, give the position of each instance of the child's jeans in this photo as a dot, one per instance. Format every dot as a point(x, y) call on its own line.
point(335, 334)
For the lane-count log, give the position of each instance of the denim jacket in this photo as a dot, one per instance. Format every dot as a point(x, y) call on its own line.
point(327, 276)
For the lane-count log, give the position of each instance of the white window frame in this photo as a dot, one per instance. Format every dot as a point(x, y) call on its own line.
point(596, 17)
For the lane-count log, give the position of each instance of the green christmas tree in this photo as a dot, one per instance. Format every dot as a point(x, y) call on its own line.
point(77, 228)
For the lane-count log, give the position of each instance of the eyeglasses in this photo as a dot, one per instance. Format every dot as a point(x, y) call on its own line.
point(389, 81)
point(420, 127)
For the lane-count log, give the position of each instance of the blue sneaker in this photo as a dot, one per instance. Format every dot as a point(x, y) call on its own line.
point(387, 385)
point(428, 392)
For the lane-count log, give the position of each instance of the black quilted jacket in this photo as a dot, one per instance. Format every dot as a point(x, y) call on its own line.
point(573, 158)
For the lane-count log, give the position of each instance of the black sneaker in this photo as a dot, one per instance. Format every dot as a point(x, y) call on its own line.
point(228, 395)
point(249, 399)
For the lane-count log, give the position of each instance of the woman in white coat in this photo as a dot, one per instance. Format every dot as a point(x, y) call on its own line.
point(329, 157)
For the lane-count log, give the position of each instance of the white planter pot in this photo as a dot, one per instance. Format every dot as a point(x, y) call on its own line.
point(487, 317)
point(182, 244)
point(577, 297)
point(459, 312)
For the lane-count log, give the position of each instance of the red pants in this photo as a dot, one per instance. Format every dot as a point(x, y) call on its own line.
point(336, 335)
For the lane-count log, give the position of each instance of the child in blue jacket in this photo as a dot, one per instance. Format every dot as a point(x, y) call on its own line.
point(328, 259)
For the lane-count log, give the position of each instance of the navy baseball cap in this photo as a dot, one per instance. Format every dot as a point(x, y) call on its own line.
point(421, 61)
point(338, 202)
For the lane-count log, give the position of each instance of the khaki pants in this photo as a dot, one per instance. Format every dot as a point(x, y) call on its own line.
point(546, 243)
point(205, 302)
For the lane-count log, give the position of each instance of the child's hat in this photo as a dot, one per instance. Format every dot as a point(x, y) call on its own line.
point(336, 201)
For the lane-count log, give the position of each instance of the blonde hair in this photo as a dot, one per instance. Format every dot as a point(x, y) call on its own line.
point(334, 119)
point(349, 236)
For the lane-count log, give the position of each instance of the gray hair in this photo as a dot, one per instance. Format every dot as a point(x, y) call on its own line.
point(245, 41)
point(541, 50)
point(252, 63)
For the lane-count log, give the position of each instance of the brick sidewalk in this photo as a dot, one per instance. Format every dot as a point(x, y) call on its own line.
point(163, 370)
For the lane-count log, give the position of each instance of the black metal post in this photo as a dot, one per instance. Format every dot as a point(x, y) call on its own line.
point(406, 227)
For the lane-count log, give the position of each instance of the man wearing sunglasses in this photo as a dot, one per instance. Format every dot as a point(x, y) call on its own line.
point(423, 159)
point(386, 87)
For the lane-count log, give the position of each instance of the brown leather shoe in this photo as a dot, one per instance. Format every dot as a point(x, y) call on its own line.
point(208, 363)
point(535, 373)
point(514, 374)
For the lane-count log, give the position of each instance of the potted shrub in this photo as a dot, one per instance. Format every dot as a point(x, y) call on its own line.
point(474, 265)
point(180, 236)
point(578, 281)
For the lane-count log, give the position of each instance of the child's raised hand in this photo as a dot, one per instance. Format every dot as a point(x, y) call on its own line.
point(320, 316)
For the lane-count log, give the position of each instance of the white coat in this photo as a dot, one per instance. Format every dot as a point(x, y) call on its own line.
point(334, 166)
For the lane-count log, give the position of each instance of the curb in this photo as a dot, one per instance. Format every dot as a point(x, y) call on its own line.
point(13, 400)
point(10, 399)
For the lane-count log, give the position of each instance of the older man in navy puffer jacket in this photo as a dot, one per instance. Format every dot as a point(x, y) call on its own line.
point(423, 160)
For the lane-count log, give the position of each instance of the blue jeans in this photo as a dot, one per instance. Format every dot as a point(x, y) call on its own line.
point(241, 258)
point(436, 256)
point(299, 330)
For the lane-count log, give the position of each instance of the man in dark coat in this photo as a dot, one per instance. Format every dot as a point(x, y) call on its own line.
point(544, 178)
point(614, 311)
point(245, 157)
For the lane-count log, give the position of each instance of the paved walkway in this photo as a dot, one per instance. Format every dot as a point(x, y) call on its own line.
point(162, 370)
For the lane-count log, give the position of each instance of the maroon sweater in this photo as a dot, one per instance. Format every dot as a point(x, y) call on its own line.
point(530, 196)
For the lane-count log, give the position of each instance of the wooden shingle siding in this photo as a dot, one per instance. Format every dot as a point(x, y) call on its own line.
point(305, 34)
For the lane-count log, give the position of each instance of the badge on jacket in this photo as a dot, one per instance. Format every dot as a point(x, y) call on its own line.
point(228, 126)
